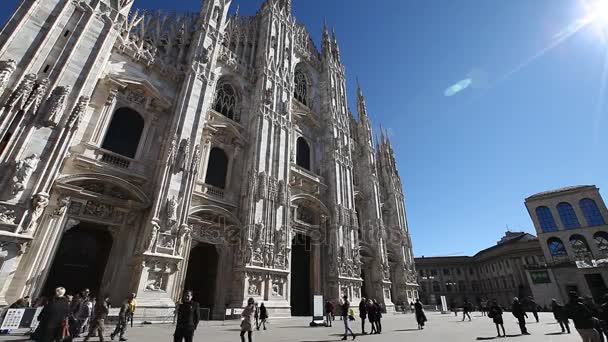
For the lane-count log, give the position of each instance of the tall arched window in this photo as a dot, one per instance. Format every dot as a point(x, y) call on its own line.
point(568, 216)
point(300, 91)
point(226, 101)
point(217, 168)
point(580, 247)
point(601, 240)
point(591, 212)
point(545, 218)
point(303, 154)
point(124, 132)
point(557, 248)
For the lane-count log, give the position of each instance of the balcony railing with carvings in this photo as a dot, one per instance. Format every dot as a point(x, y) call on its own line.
point(214, 193)
point(100, 157)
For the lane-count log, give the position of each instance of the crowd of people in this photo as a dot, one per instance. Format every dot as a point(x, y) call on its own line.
point(65, 317)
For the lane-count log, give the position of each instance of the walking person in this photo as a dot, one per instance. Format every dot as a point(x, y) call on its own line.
point(345, 307)
point(519, 313)
point(363, 314)
point(53, 317)
point(560, 316)
point(582, 318)
point(533, 308)
point(378, 318)
point(256, 316)
point(263, 315)
point(132, 307)
point(246, 320)
point(495, 313)
point(371, 316)
point(84, 315)
point(188, 316)
point(466, 307)
point(100, 313)
point(329, 312)
point(123, 317)
point(75, 307)
point(420, 316)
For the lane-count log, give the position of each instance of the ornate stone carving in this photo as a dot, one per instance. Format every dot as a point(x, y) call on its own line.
point(7, 215)
point(23, 172)
point(6, 71)
point(62, 206)
point(19, 97)
point(39, 203)
point(196, 157)
point(157, 281)
point(98, 210)
point(172, 152)
point(56, 104)
point(262, 185)
point(183, 237)
point(78, 112)
point(33, 103)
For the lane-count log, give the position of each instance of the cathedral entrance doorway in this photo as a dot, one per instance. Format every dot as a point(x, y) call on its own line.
point(202, 274)
point(80, 260)
point(300, 294)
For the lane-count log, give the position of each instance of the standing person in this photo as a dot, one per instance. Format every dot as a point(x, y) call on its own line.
point(263, 315)
point(412, 307)
point(378, 317)
point(560, 315)
point(83, 316)
point(345, 307)
point(75, 307)
point(246, 323)
point(519, 313)
point(256, 315)
point(533, 308)
point(466, 307)
point(420, 316)
point(188, 316)
point(371, 316)
point(495, 313)
point(100, 313)
point(52, 318)
point(329, 312)
point(132, 307)
point(363, 314)
point(123, 317)
point(582, 318)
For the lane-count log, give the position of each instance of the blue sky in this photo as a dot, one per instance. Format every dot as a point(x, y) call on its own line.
point(468, 160)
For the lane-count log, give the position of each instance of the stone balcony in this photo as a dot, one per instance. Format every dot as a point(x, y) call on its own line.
point(214, 193)
point(306, 181)
point(96, 157)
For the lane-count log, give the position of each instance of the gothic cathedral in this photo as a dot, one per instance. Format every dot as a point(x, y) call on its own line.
point(148, 153)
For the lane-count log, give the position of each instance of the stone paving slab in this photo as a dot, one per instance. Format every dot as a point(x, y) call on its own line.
point(399, 327)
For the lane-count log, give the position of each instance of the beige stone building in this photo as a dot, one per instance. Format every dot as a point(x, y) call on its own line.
point(571, 227)
point(148, 152)
point(498, 272)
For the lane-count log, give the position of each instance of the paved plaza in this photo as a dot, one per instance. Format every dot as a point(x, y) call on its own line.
point(395, 328)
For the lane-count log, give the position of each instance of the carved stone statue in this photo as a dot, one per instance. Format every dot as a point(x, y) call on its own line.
point(6, 71)
point(184, 235)
point(196, 157)
point(258, 228)
point(22, 93)
point(7, 215)
point(39, 203)
point(78, 112)
point(56, 104)
point(62, 206)
point(262, 185)
point(268, 96)
point(35, 99)
point(153, 237)
point(23, 172)
point(172, 151)
point(171, 211)
point(182, 156)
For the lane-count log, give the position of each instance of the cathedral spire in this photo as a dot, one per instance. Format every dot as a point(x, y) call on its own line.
point(361, 107)
point(326, 42)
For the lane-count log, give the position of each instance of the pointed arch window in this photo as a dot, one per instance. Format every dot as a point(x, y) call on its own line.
point(591, 212)
point(568, 216)
point(124, 132)
point(226, 101)
point(217, 168)
point(301, 87)
point(545, 218)
point(580, 247)
point(303, 153)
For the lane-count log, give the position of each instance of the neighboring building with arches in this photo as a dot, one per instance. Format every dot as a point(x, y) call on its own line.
point(199, 150)
point(572, 230)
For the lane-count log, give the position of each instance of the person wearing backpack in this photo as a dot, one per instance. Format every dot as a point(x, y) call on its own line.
point(345, 306)
point(495, 313)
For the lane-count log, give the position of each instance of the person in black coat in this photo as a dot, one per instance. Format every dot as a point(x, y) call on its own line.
point(560, 315)
point(187, 318)
point(378, 317)
point(495, 313)
point(52, 317)
point(519, 313)
point(420, 316)
point(363, 314)
point(263, 316)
